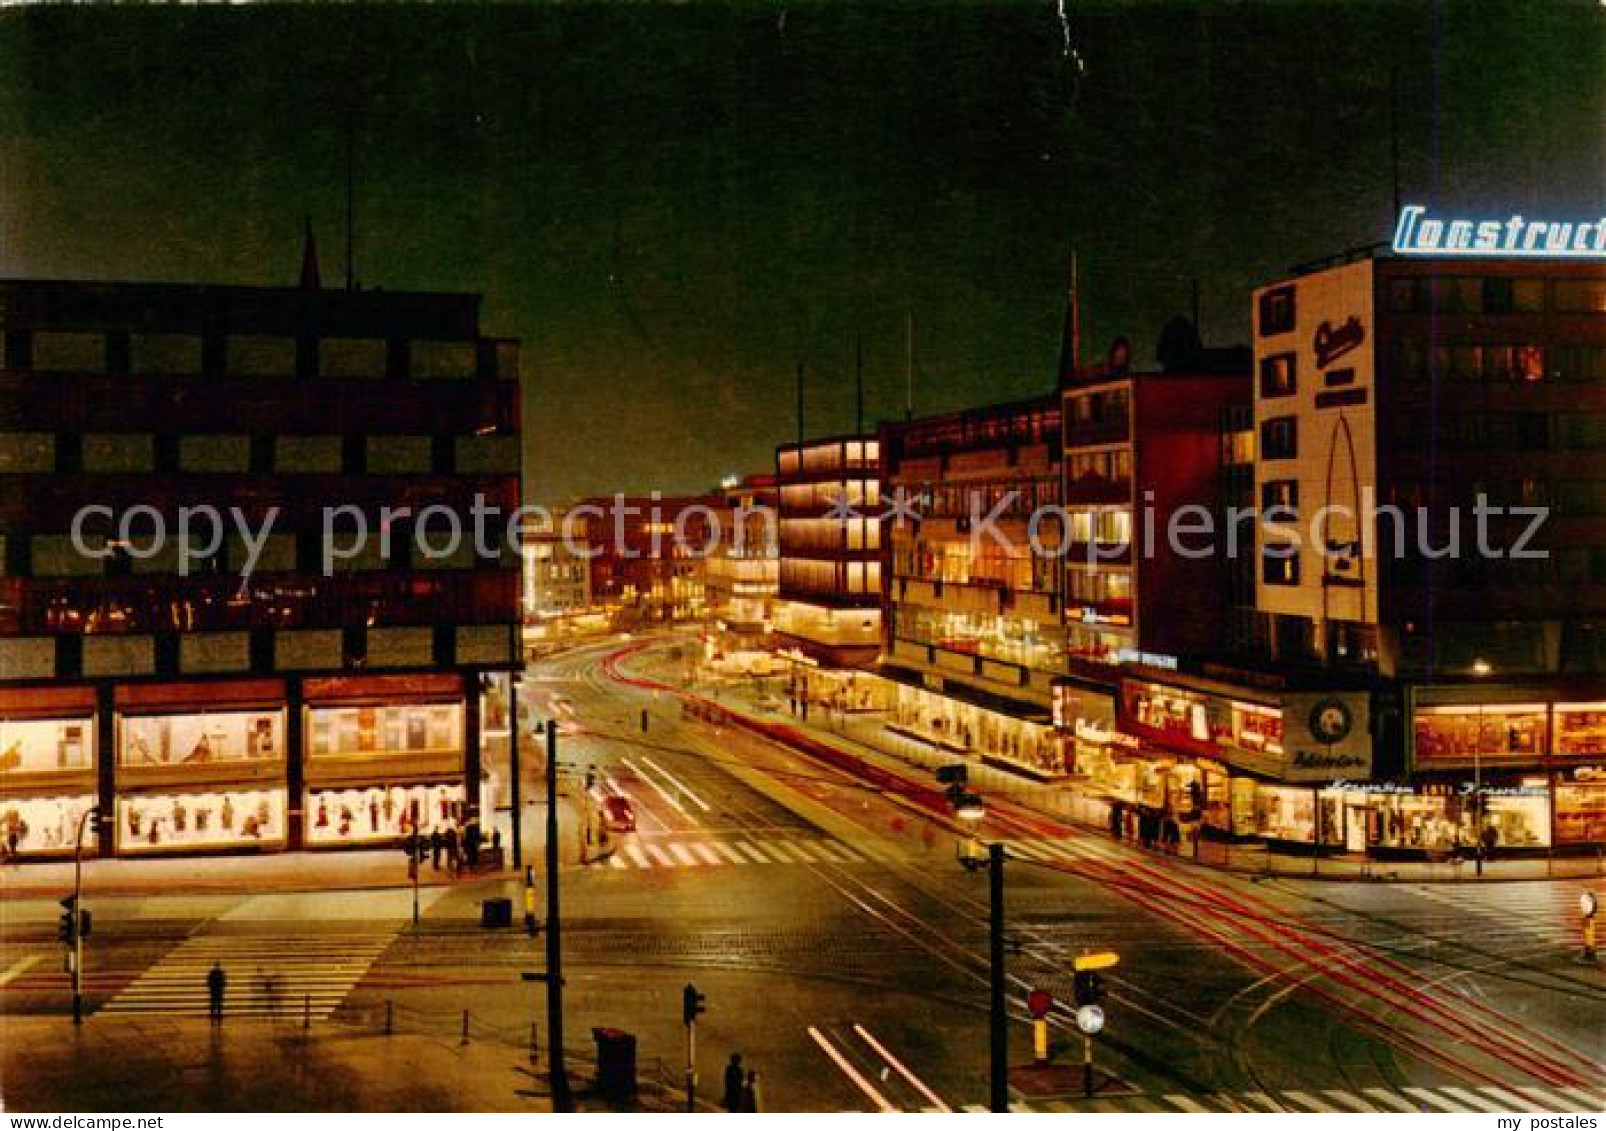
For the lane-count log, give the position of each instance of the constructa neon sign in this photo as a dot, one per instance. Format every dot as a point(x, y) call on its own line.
point(1421, 234)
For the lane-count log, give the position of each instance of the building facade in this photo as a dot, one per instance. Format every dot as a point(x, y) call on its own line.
point(1449, 413)
point(305, 671)
point(829, 504)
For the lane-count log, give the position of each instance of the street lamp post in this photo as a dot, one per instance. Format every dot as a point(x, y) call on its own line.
point(1480, 668)
point(561, 1100)
point(997, 1019)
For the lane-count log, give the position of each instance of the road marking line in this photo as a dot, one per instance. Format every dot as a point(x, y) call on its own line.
point(1354, 1102)
point(614, 861)
point(1478, 1102)
point(1390, 1099)
point(781, 851)
point(674, 802)
point(637, 857)
point(1500, 1095)
point(1263, 1101)
point(1309, 1102)
point(1432, 1099)
point(898, 1066)
point(847, 853)
point(706, 853)
point(18, 968)
point(1186, 1103)
point(659, 856)
point(812, 852)
point(849, 1071)
point(682, 855)
point(680, 785)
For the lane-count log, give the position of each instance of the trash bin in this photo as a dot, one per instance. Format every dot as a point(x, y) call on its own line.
point(496, 912)
point(616, 1063)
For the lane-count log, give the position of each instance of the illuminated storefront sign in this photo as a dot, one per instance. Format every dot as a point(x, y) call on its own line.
point(1420, 234)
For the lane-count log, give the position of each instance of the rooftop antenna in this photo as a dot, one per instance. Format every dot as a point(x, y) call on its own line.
point(858, 385)
point(1071, 336)
point(1394, 132)
point(800, 403)
point(351, 196)
point(909, 368)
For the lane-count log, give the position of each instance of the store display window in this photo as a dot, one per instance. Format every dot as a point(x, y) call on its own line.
point(1258, 728)
point(201, 738)
point(1518, 820)
point(366, 814)
point(43, 824)
point(406, 728)
point(162, 822)
point(1581, 812)
point(1285, 814)
point(1581, 728)
point(1409, 821)
point(1488, 731)
point(47, 746)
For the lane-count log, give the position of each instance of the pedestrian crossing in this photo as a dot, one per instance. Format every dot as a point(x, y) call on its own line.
point(661, 852)
point(1329, 1101)
point(268, 975)
point(1549, 910)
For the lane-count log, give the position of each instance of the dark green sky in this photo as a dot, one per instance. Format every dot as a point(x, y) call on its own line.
point(671, 205)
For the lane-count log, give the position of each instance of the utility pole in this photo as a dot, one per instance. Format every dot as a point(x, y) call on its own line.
point(997, 1019)
point(561, 1100)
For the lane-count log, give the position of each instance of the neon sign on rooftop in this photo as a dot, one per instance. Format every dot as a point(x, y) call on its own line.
point(1421, 234)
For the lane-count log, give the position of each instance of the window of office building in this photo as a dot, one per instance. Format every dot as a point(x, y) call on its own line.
point(1580, 296)
point(1276, 311)
point(1279, 438)
point(1279, 565)
point(1279, 493)
point(1277, 375)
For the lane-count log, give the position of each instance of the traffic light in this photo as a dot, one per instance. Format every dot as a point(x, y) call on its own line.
point(1087, 986)
point(691, 1004)
point(69, 920)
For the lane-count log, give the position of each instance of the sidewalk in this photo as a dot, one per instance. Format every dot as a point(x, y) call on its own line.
point(117, 1063)
point(866, 737)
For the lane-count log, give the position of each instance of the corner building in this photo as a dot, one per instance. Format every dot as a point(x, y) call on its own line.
point(204, 708)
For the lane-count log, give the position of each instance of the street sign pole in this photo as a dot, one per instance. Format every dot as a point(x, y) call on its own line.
point(78, 920)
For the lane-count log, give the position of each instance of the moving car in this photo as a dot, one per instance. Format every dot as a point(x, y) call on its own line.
point(618, 814)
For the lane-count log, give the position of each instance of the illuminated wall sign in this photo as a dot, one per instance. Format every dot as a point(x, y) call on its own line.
point(1420, 234)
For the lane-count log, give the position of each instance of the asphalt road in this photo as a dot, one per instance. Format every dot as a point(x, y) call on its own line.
point(843, 949)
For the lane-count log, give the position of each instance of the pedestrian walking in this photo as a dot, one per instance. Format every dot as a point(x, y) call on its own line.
point(436, 844)
point(735, 1083)
point(454, 858)
point(750, 1096)
point(216, 984)
point(472, 836)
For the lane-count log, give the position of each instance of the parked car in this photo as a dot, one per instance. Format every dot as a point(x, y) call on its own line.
point(618, 814)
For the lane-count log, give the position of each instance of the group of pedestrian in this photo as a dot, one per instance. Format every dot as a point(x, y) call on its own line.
point(1147, 827)
point(459, 846)
point(741, 1086)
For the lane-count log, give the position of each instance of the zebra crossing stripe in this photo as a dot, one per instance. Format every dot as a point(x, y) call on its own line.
point(783, 853)
point(682, 856)
point(1595, 1101)
point(1512, 1101)
point(751, 849)
point(659, 856)
point(1549, 1099)
point(1478, 1102)
point(1186, 1104)
point(1309, 1102)
point(1390, 1100)
point(706, 853)
point(848, 855)
point(1262, 1101)
point(1433, 1099)
point(1349, 1099)
point(729, 853)
point(637, 857)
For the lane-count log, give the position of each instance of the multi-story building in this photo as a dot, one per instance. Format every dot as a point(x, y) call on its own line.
point(1445, 411)
point(743, 572)
point(648, 555)
point(829, 587)
point(302, 672)
point(557, 572)
point(974, 635)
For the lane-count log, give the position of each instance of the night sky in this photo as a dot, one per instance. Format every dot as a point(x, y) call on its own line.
point(673, 205)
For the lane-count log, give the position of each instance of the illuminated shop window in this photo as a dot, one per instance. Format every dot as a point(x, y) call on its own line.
point(365, 814)
point(43, 824)
point(200, 738)
point(411, 728)
point(1581, 728)
point(1492, 731)
point(35, 746)
point(165, 822)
